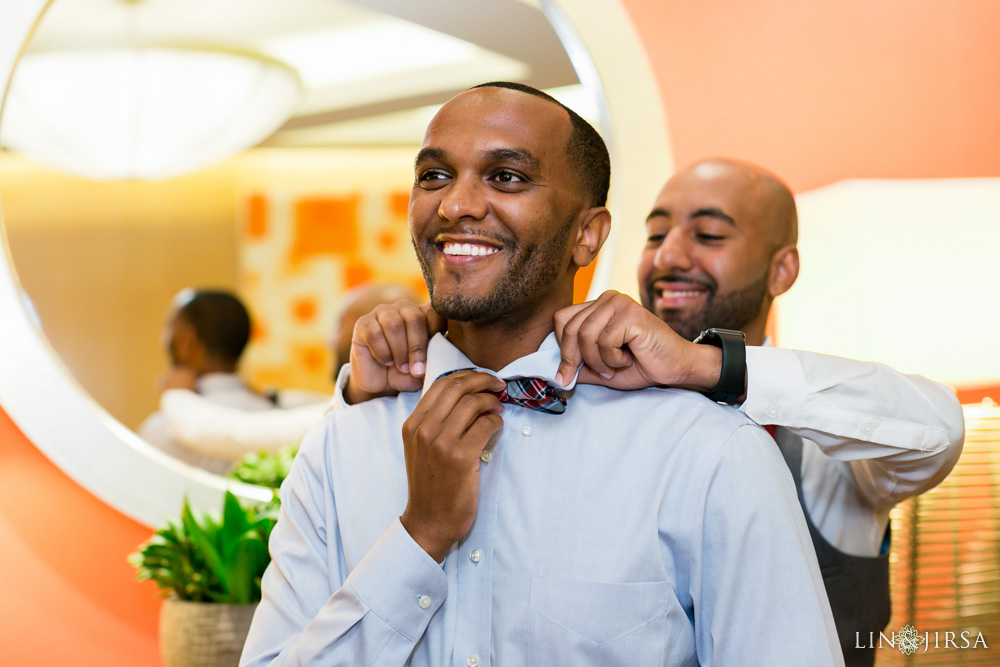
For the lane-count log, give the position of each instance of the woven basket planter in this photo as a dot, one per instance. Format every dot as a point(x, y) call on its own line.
point(203, 634)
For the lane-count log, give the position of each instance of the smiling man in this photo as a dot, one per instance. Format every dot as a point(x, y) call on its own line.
point(735, 229)
point(502, 516)
point(857, 436)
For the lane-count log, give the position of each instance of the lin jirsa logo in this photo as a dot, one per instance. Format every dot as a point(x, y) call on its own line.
point(908, 640)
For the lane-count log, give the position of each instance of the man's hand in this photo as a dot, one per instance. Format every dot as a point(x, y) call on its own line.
point(442, 440)
point(179, 377)
point(624, 346)
point(389, 350)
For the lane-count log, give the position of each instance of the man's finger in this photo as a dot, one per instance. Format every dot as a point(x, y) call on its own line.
point(564, 315)
point(394, 331)
point(402, 381)
point(441, 397)
point(590, 330)
point(588, 376)
point(612, 341)
point(369, 339)
point(417, 336)
point(481, 430)
point(567, 322)
point(468, 409)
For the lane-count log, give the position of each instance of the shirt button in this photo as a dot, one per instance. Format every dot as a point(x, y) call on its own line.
point(424, 601)
point(773, 411)
point(476, 555)
point(486, 456)
point(866, 429)
point(472, 660)
point(526, 431)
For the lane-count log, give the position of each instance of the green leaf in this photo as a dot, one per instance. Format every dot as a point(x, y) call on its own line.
point(234, 521)
point(247, 562)
point(204, 543)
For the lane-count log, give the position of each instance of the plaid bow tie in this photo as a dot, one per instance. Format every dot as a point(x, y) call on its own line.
point(531, 393)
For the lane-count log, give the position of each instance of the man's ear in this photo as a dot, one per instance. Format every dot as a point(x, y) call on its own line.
point(593, 232)
point(784, 270)
point(186, 344)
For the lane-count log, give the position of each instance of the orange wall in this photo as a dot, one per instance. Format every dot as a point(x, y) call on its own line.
point(69, 597)
point(816, 91)
point(821, 91)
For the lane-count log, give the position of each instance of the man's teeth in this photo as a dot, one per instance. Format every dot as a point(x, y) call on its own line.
point(468, 249)
point(672, 294)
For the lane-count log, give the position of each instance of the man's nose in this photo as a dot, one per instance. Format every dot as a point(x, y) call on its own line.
point(674, 252)
point(463, 199)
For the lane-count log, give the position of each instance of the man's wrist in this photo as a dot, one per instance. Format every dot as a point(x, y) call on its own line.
point(435, 546)
point(705, 369)
point(732, 376)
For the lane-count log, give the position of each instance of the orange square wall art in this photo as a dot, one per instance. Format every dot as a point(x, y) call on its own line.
point(298, 253)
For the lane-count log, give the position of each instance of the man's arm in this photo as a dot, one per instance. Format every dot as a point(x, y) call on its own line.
point(901, 433)
point(228, 433)
point(313, 611)
point(382, 606)
point(756, 589)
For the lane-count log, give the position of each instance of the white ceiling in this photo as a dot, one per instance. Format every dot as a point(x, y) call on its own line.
point(373, 71)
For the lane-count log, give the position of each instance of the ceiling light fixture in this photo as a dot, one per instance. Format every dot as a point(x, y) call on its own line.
point(141, 111)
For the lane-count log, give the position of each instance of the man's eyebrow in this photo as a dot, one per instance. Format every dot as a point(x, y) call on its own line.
point(658, 213)
point(426, 154)
point(713, 212)
point(521, 156)
point(704, 212)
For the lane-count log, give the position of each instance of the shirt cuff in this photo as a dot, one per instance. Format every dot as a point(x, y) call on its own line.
point(776, 386)
point(400, 582)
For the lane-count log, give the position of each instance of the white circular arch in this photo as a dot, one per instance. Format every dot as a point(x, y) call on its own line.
point(114, 464)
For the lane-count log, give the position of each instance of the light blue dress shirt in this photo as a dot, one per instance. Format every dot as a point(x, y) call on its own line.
point(638, 528)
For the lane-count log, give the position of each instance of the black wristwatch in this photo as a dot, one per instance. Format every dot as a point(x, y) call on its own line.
point(732, 379)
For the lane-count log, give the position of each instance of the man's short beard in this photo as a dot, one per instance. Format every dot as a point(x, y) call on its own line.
point(529, 269)
point(722, 311)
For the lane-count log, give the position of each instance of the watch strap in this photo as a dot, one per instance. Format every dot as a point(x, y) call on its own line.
point(732, 379)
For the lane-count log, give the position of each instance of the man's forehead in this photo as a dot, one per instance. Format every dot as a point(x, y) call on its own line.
point(707, 187)
point(498, 118)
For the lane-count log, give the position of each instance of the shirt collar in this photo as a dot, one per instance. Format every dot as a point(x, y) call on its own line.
point(215, 382)
point(443, 357)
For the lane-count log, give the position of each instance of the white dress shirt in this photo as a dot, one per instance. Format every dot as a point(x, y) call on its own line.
point(872, 437)
point(224, 389)
point(639, 528)
point(214, 430)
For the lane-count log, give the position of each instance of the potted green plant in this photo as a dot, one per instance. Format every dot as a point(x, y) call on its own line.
point(209, 570)
point(265, 468)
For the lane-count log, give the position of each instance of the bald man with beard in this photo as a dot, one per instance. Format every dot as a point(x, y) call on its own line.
point(858, 437)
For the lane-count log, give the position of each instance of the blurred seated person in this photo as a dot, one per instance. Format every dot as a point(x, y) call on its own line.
point(205, 336)
point(215, 430)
